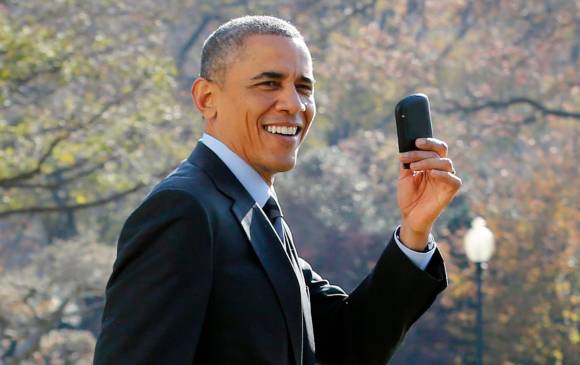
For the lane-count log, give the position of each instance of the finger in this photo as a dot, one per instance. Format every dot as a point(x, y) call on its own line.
point(403, 172)
point(433, 144)
point(412, 156)
point(450, 179)
point(443, 164)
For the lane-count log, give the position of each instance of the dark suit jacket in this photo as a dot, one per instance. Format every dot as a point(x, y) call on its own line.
point(201, 278)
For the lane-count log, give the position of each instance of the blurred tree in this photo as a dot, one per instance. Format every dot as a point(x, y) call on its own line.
point(340, 200)
point(506, 63)
point(502, 78)
point(91, 112)
point(88, 114)
point(44, 303)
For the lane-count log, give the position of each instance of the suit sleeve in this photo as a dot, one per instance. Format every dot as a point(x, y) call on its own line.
point(157, 295)
point(366, 326)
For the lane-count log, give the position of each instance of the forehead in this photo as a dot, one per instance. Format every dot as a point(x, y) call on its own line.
point(261, 53)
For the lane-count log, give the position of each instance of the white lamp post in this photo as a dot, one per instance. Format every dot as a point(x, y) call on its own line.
point(479, 246)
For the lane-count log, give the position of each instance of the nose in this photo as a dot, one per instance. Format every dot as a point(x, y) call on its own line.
point(290, 101)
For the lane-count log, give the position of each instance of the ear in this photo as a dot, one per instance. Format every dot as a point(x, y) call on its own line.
point(203, 95)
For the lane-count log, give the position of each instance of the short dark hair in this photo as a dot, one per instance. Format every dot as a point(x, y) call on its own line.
point(229, 38)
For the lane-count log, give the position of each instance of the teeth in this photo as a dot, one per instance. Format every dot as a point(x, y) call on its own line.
point(288, 131)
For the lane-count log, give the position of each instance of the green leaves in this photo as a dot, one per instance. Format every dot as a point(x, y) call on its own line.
point(77, 98)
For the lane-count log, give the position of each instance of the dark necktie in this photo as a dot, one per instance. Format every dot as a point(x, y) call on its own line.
point(274, 214)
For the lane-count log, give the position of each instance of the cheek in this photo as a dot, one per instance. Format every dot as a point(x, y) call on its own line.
point(258, 105)
point(246, 111)
point(310, 113)
point(259, 102)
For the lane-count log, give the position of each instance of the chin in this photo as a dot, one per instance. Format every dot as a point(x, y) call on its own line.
point(284, 166)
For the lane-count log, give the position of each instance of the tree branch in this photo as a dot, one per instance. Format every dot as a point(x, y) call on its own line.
point(28, 174)
point(37, 169)
point(32, 343)
point(50, 67)
point(466, 23)
point(66, 180)
point(499, 104)
point(53, 209)
point(184, 51)
point(358, 9)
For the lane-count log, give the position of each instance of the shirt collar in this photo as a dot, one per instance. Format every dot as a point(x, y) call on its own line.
point(247, 176)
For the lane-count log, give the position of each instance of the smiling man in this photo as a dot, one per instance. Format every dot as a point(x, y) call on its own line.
point(207, 271)
point(263, 106)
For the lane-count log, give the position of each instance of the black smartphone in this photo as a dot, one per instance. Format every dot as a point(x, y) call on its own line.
point(413, 118)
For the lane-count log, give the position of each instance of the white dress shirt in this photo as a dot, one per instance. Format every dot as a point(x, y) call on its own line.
point(260, 192)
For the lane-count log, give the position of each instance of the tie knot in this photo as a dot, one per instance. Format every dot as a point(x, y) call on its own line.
point(272, 209)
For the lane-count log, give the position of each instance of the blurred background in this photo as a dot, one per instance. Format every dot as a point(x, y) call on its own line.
point(95, 109)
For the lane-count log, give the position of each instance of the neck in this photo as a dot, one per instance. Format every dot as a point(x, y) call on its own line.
point(267, 176)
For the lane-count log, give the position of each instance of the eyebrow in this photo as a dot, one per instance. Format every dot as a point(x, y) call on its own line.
point(279, 76)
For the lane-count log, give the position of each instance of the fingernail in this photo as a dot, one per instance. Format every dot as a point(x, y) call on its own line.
point(405, 154)
point(421, 141)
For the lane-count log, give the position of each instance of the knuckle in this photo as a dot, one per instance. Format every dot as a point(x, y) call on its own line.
point(422, 155)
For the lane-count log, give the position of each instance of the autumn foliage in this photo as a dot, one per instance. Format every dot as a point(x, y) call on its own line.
point(95, 108)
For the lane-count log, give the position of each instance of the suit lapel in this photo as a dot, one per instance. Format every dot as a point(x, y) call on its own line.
point(264, 241)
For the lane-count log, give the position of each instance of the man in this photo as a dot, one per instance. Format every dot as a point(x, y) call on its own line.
point(207, 272)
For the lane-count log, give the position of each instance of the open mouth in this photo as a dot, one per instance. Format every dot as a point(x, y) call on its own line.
point(283, 130)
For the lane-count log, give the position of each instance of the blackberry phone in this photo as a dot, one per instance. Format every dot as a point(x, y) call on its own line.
point(413, 119)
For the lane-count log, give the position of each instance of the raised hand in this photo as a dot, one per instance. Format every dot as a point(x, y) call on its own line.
point(424, 190)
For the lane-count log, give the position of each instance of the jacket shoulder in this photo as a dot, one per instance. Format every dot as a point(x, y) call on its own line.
point(187, 179)
point(186, 192)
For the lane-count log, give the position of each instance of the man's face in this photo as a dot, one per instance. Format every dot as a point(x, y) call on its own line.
point(265, 103)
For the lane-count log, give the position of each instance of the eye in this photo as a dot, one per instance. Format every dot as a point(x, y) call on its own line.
point(270, 84)
point(305, 89)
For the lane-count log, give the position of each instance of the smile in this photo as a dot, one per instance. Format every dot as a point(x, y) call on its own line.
point(282, 130)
